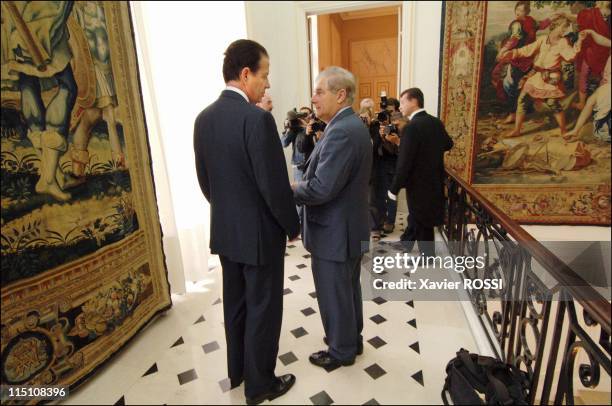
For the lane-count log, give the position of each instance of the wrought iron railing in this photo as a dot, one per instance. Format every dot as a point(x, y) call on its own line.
point(517, 318)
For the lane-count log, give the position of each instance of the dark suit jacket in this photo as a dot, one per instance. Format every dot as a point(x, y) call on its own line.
point(242, 173)
point(420, 168)
point(335, 191)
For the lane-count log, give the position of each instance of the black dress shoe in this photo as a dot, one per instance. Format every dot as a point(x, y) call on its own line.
point(325, 360)
point(359, 346)
point(281, 386)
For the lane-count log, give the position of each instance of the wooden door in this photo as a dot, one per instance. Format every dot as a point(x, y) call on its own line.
point(374, 63)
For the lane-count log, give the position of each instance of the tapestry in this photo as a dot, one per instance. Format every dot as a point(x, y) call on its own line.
point(82, 263)
point(525, 93)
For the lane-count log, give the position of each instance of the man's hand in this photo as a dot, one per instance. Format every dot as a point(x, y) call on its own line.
point(293, 186)
point(381, 132)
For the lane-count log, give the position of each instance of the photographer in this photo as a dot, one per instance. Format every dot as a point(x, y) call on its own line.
point(295, 133)
point(315, 128)
point(385, 160)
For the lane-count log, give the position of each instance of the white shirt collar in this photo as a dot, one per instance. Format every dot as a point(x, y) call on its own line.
point(239, 91)
point(415, 113)
point(338, 113)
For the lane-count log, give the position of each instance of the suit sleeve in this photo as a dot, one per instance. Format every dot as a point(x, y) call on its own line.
point(270, 170)
point(333, 169)
point(199, 161)
point(408, 150)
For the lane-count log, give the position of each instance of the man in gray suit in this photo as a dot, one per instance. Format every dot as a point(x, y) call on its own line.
point(335, 229)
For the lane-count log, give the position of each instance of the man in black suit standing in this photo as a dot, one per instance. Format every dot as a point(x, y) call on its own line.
point(420, 169)
point(242, 173)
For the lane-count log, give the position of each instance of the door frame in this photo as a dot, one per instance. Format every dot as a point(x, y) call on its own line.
point(405, 33)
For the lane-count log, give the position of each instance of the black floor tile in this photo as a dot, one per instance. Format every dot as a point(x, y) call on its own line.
point(299, 332)
point(378, 319)
point(375, 371)
point(288, 358)
point(225, 385)
point(379, 300)
point(419, 378)
point(151, 370)
point(321, 398)
point(377, 342)
point(178, 342)
point(210, 347)
point(308, 311)
point(187, 376)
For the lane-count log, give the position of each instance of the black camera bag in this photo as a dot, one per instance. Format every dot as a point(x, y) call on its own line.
point(469, 375)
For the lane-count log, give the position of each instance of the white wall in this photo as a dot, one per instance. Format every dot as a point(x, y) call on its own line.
point(276, 24)
point(426, 61)
point(183, 44)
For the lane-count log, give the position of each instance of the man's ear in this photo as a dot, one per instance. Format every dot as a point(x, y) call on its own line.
point(341, 97)
point(244, 73)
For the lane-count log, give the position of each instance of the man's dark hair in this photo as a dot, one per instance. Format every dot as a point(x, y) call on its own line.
point(241, 54)
point(415, 93)
point(391, 101)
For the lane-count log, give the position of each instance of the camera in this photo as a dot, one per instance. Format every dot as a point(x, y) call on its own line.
point(383, 116)
point(293, 119)
point(317, 126)
point(383, 100)
point(391, 129)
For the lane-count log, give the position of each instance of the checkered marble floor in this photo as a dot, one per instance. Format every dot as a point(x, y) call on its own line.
point(180, 358)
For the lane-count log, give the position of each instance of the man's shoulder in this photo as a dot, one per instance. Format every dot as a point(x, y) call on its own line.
point(225, 106)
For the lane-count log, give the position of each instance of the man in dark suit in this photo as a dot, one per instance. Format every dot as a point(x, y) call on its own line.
point(242, 173)
point(336, 232)
point(420, 169)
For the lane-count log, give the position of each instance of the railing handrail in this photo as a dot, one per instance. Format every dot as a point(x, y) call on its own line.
point(581, 291)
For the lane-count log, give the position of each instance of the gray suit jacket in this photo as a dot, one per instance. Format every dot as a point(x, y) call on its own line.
point(335, 191)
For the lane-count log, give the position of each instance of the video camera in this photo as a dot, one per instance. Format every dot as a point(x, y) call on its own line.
point(383, 115)
point(293, 119)
point(316, 126)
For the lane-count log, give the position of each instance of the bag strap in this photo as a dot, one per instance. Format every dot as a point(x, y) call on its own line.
point(465, 358)
point(460, 389)
point(502, 396)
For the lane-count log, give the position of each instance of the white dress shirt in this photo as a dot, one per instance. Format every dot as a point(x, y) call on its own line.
point(239, 91)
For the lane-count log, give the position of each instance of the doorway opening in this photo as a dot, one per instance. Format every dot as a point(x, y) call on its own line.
point(365, 42)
